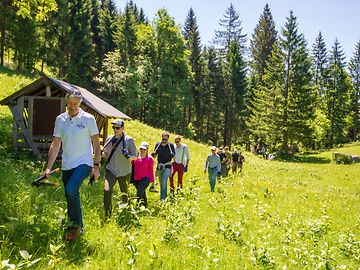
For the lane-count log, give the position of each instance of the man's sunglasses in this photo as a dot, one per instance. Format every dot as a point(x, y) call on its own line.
point(116, 127)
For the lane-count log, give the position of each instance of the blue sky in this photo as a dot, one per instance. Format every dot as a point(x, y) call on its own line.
point(334, 18)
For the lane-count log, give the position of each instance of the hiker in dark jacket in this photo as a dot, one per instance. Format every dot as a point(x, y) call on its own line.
point(165, 152)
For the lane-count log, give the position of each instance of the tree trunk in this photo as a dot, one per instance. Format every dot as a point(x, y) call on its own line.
point(2, 46)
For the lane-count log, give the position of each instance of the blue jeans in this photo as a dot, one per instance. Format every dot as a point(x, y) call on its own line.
point(72, 180)
point(163, 178)
point(213, 172)
point(141, 186)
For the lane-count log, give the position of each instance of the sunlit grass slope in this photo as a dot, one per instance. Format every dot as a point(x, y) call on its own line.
point(300, 214)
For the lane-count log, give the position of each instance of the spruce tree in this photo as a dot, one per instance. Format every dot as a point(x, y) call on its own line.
point(320, 61)
point(95, 30)
point(232, 30)
point(82, 57)
point(236, 87)
point(108, 20)
point(261, 47)
point(213, 96)
point(127, 40)
point(354, 67)
point(7, 17)
point(337, 97)
point(172, 73)
point(284, 106)
point(193, 45)
point(262, 41)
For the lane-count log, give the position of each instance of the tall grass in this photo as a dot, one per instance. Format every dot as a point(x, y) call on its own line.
point(302, 214)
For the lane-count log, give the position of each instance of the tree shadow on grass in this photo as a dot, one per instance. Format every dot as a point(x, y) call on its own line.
point(306, 159)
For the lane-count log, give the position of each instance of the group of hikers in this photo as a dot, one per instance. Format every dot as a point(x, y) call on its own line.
point(218, 164)
point(77, 134)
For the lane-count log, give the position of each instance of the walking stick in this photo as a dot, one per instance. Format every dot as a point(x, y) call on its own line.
point(38, 182)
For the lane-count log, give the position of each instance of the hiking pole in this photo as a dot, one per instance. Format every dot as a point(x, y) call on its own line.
point(38, 182)
point(91, 180)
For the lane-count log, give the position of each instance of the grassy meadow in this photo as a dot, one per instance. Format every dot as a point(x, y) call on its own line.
point(299, 214)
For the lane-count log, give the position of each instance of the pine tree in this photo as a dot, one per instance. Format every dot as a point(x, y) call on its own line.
point(337, 96)
point(354, 67)
point(193, 45)
point(320, 61)
point(262, 42)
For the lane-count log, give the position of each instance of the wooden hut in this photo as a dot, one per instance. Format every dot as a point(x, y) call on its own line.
point(36, 106)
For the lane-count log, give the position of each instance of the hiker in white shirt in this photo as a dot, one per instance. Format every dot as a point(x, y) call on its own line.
point(180, 163)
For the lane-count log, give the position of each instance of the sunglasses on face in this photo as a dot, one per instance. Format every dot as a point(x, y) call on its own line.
point(116, 127)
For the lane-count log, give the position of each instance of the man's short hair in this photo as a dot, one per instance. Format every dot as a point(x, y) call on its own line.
point(73, 94)
point(165, 134)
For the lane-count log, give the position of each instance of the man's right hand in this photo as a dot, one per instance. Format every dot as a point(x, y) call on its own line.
point(47, 173)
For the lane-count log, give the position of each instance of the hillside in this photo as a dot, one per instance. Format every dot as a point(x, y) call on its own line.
point(301, 214)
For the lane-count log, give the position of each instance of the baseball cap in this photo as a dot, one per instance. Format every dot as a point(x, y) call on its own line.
point(144, 145)
point(118, 121)
point(213, 147)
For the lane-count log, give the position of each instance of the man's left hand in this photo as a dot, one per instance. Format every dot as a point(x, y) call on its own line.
point(96, 172)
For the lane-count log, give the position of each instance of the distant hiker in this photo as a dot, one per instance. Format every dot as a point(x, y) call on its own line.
point(120, 149)
point(227, 161)
point(143, 173)
point(222, 156)
point(235, 161)
point(213, 165)
point(77, 134)
point(180, 164)
point(164, 151)
point(241, 161)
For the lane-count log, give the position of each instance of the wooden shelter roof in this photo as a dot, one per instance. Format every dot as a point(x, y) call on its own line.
point(89, 99)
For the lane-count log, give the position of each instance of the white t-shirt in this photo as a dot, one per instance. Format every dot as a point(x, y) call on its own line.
point(75, 133)
point(181, 154)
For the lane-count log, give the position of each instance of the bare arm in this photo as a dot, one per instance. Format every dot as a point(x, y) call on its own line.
point(97, 154)
point(52, 155)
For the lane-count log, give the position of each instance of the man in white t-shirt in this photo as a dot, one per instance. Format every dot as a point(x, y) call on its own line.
point(180, 163)
point(76, 131)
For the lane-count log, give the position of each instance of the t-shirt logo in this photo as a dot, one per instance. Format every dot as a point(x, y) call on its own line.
point(80, 126)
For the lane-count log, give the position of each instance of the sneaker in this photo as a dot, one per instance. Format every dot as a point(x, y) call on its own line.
point(73, 233)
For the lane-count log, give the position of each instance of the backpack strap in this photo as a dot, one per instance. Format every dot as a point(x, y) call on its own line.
point(122, 138)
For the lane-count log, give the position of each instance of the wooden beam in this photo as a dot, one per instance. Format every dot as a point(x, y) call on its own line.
point(30, 114)
point(106, 129)
point(27, 135)
point(63, 105)
point(48, 91)
point(15, 134)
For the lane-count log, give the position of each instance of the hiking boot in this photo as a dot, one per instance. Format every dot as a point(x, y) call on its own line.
point(73, 233)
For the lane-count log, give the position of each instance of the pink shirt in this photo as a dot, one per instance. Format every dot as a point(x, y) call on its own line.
point(144, 167)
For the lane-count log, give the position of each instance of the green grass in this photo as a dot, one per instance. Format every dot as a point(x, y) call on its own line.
point(300, 214)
